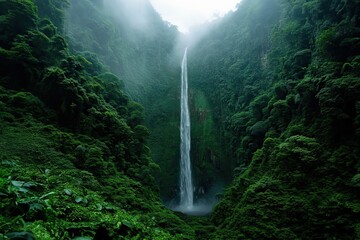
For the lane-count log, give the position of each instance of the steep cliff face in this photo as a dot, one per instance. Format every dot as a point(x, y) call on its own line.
point(136, 47)
point(230, 66)
point(282, 81)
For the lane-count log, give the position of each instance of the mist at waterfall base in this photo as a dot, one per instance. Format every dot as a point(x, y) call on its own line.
point(204, 200)
point(191, 200)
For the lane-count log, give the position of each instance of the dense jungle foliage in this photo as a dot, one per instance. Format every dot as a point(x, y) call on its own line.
point(89, 116)
point(138, 50)
point(74, 158)
point(283, 81)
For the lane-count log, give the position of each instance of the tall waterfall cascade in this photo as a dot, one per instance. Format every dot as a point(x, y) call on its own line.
point(186, 185)
point(190, 203)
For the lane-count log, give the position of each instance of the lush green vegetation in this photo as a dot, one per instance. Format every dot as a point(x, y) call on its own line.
point(283, 81)
point(74, 159)
point(275, 107)
point(141, 50)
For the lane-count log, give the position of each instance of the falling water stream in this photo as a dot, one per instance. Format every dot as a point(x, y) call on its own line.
point(186, 185)
point(187, 205)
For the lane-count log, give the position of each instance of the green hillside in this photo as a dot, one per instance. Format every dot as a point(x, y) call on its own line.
point(282, 78)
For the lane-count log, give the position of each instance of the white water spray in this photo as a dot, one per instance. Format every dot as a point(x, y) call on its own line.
point(186, 186)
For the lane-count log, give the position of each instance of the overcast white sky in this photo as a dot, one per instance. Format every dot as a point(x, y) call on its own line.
point(188, 13)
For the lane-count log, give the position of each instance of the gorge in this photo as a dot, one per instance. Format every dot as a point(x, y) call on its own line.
point(90, 121)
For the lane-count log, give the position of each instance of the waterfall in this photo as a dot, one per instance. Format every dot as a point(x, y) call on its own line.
point(202, 206)
point(186, 186)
